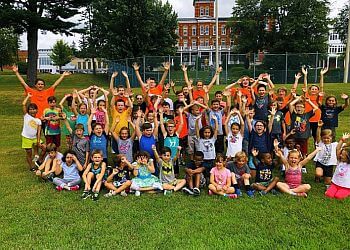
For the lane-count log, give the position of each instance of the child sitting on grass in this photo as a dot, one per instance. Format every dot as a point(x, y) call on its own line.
point(220, 179)
point(166, 170)
point(70, 167)
point(119, 180)
point(194, 174)
point(47, 170)
point(95, 171)
point(143, 170)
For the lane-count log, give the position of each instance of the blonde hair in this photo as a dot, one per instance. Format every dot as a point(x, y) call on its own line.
point(326, 132)
point(241, 155)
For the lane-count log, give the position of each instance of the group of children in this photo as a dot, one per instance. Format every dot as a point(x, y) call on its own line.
point(234, 141)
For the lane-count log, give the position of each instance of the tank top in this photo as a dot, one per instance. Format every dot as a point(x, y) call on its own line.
point(293, 177)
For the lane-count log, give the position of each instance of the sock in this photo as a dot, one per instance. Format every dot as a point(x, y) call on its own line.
point(248, 188)
point(292, 193)
point(236, 186)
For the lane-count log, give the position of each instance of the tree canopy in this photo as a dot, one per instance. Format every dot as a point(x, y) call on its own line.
point(9, 43)
point(61, 53)
point(280, 26)
point(341, 23)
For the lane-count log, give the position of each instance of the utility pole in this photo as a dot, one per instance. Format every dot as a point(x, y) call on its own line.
point(217, 38)
point(346, 67)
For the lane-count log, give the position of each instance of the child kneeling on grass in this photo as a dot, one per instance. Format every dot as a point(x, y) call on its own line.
point(166, 170)
point(143, 170)
point(48, 170)
point(340, 186)
point(119, 180)
point(293, 175)
point(94, 171)
point(70, 166)
point(220, 179)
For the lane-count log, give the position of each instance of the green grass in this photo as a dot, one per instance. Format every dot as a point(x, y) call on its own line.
point(34, 215)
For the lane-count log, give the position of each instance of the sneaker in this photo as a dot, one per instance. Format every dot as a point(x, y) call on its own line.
point(262, 193)
point(274, 192)
point(94, 197)
point(59, 188)
point(109, 194)
point(327, 186)
point(86, 194)
point(37, 164)
point(50, 177)
point(238, 192)
point(302, 194)
point(210, 192)
point(36, 157)
point(168, 192)
point(158, 185)
point(74, 188)
point(250, 193)
point(232, 196)
point(187, 191)
point(123, 193)
point(196, 191)
point(303, 170)
point(32, 170)
point(137, 193)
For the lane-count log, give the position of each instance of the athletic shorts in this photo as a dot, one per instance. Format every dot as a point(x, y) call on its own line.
point(28, 143)
point(327, 170)
point(53, 139)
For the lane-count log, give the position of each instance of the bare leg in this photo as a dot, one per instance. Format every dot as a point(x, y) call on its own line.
point(29, 157)
point(272, 184)
point(197, 180)
point(180, 184)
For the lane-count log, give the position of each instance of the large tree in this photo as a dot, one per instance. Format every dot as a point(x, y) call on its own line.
point(341, 23)
point(132, 28)
point(61, 54)
point(9, 43)
point(281, 26)
point(32, 15)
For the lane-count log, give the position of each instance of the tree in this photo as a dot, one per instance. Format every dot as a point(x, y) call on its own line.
point(30, 16)
point(133, 28)
point(341, 23)
point(9, 44)
point(61, 54)
point(298, 26)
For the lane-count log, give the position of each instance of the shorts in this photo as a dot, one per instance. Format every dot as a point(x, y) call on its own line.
point(264, 183)
point(172, 183)
point(118, 183)
point(28, 143)
point(53, 139)
point(327, 170)
point(191, 144)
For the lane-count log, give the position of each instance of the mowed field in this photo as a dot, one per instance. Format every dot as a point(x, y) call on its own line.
point(33, 215)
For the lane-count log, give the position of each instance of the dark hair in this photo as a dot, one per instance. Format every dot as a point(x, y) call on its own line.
point(69, 151)
point(143, 153)
point(125, 128)
point(152, 78)
point(51, 99)
point(179, 92)
point(261, 121)
point(219, 157)
point(199, 154)
point(165, 104)
point(117, 160)
point(261, 86)
point(51, 147)
point(39, 80)
point(99, 101)
point(165, 150)
point(236, 124)
point(120, 100)
point(201, 131)
point(96, 124)
point(79, 126)
point(69, 100)
point(262, 156)
point(145, 126)
point(218, 92)
point(96, 151)
point(32, 106)
point(214, 101)
point(120, 86)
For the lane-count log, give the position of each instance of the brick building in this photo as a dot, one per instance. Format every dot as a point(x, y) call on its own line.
point(197, 34)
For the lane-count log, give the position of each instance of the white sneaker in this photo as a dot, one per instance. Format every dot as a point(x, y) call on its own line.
point(158, 185)
point(36, 157)
point(137, 193)
point(123, 193)
point(110, 194)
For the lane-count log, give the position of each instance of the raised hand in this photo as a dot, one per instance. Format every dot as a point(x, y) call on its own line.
point(93, 110)
point(320, 123)
point(66, 73)
point(15, 68)
point(255, 152)
point(125, 74)
point(324, 70)
point(172, 83)
point(297, 76)
point(275, 143)
point(345, 136)
point(304, 70)
point(166, 65)
point(184, 67)
point(219, 70)
point(344, 96)
point(154, 148)
point(136, 66)
point(273, 111)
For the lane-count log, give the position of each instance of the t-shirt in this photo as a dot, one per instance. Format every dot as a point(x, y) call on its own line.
point(52, 127)
point(341, 176)
point(218, 115)
point(100, 118)
point(71, 172)
point(192, 165)
point(146, 144)
point(238, 171)
point(261, 108)
point(277, 122)
point(329, 116)
point(260, 142)
point(125, 147)
point(71, 118)
point(157, 90)
point(234, 144)
point(207, 146)
point(40, 98)
point(192, 124)
point(166, 171)
point(314, 99)
point(123, 119)
point(220, 176)
point(80, 147)
point(263, 172)
point(99, 142)
point(122, 176)
point(328, 154)
point(30, 126)
point(83, 119)
point(301, 124)
point(184, 131)
point(172, 142)
point(198, 93)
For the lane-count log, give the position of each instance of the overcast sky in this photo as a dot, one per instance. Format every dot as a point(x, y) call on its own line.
point(183, 8)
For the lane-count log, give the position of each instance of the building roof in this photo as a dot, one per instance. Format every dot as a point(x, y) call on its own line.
point(194, 1)
point(193, 19)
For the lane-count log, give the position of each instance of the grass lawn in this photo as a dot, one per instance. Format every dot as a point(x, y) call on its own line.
point(34, 215)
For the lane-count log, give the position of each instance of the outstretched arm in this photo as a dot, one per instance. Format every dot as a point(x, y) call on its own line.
point(138, 76)
point(310, 157)
point(166, 66)
point(217, 73)
point(24, 103)
point(111, 82)
point(323, 71)
point(59, 80)
point(20, 78)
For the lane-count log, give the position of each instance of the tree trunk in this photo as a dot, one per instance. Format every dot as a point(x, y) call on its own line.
point(32, 38)
point(93, 66)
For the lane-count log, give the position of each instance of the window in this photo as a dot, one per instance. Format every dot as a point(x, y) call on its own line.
point(89, 65)
point(201, 11)
point(185, 33)
point(194, 43)
point(194, 30)
point(206, 42)
point(214, 30)
point(207, 30)
point(84, 65)
point(201, 42)
point(202, 30)
point(79, 65)
point(333, 36)
point(185, 44)
point(223, 42)
point(223, 30)
point(207, 11)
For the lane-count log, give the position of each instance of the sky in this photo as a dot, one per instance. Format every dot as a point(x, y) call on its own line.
point(183, 8)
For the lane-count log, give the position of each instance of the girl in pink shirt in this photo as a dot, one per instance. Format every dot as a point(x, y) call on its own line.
point(220, 179)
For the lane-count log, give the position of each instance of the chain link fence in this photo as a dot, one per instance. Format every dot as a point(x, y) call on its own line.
point(281, 67)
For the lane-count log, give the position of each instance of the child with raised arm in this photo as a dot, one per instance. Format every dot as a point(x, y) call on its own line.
point(70, 116)
point(340, 186)
point(52, 116)
point(326, 159)
point(70, 166)
point(220, 179)
point(119, 180)
point(31, 131)
point(39, 94)
point(144, 179)
point(166, 170)
point(81, 111)
point(234, 135)
point(95, 171)
point(293, 176)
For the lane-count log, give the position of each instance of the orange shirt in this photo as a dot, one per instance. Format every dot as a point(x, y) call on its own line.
point(40, 98)
point(314, 99)
point(184, 131)
point(244, 91)
point(157, 90)
point(198, 93)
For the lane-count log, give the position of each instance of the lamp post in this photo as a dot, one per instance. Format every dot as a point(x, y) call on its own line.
point(217, 38)
point(346, 66)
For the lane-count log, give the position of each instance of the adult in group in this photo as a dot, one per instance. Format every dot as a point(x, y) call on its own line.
point(39, 94)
